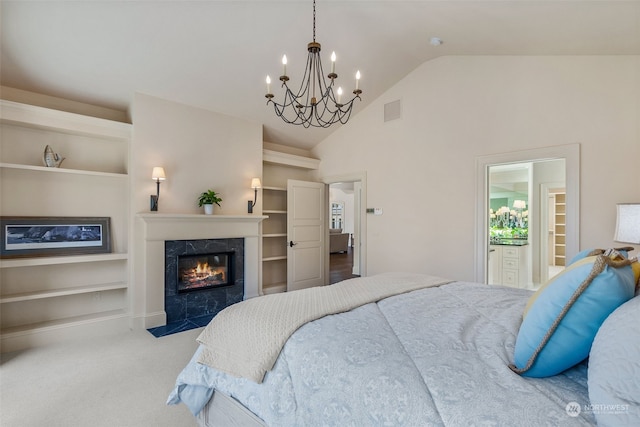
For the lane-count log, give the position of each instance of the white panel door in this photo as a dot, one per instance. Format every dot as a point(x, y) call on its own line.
point(305, 231)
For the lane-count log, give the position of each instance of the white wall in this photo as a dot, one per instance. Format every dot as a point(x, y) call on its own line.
point(421, 168)
point(199, 150)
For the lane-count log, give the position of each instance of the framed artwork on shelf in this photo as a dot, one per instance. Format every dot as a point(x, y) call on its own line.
point(31, 236)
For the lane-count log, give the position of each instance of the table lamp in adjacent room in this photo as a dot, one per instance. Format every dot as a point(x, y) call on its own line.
point(628, 223)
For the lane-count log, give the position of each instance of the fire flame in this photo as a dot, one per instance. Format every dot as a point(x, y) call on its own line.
point(203, 270)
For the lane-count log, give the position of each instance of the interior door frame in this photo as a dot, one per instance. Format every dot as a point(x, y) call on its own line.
point(570, 153)
point(360, 218)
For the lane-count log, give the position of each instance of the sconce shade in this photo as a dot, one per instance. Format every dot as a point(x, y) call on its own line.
point(628, 223)
point(519, 204)
point(255, 183)
point(158, 174)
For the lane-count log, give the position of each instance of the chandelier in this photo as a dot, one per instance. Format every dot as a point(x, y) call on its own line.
point(316, 103)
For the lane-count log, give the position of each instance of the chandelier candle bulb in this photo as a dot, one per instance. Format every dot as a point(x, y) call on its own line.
point(333, 63)
point(284, 65)
point(357, 79)
point(339, 94)
point(268, 85)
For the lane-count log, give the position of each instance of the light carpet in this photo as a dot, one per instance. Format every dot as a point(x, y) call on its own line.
point(116, 381)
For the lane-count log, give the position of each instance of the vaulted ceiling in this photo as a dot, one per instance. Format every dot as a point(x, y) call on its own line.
point(216, 54)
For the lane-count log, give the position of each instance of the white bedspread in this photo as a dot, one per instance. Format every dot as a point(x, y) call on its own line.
point(437, 356)
point(245, 339)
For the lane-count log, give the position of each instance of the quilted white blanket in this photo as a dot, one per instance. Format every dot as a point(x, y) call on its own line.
point(245, 339)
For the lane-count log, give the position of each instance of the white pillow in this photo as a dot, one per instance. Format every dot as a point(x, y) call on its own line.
point(614, 368)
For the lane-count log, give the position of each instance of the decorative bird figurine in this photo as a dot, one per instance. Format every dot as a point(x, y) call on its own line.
point(51, 159)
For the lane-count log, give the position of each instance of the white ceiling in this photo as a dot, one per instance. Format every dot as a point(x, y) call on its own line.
point(216, 54)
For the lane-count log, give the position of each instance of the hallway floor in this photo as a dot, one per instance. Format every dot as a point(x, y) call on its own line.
point(341, 266)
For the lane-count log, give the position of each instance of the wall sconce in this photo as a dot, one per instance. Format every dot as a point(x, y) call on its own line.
point(255, 184)
point(628, 223)
point(157, 175)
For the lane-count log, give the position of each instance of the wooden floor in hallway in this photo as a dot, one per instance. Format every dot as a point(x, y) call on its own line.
point(341, 266)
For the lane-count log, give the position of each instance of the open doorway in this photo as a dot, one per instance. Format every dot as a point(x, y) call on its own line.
point(570, 154)
point(527, 222)
point(341, 231)
point(346, 227)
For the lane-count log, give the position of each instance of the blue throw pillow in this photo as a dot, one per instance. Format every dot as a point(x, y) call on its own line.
point(556, 332)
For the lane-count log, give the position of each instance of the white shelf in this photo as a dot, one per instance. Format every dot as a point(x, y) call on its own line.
point(63, 323)
point(182, 217)
point(275, 235)
point(71, 259)
point(276, 157)
point(274, 188)
point(29, 296)
point(274, 288)
point(62, 121)
point(270, 211)
point(61, 170)
point(274, 258)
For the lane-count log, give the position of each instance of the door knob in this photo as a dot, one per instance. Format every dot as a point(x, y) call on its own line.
point(291, 244)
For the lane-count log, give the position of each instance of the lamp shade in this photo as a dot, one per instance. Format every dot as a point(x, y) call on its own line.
point(519, 204)
point(255, 183)
point(158, 174)
point(628, 223)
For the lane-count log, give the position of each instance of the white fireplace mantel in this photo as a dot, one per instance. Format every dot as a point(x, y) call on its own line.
point(155, 228)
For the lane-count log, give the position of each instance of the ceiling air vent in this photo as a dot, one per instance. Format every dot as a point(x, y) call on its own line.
point(392, 110)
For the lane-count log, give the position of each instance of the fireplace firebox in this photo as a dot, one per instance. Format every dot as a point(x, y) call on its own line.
point(204, 271)
point(197, 293)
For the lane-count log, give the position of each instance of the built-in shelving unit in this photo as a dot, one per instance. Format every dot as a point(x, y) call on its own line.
point(559, 229)
point(277, 169)
point(274, 240)
point(47, 299)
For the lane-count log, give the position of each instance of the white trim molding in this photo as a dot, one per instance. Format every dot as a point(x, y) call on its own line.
point(570, 153)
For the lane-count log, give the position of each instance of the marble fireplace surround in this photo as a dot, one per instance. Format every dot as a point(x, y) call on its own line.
point(156, 228)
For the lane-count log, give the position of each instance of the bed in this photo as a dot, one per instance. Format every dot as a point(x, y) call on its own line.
point(435, 353)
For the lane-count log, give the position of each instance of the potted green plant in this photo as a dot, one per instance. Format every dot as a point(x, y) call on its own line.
point(208, 199)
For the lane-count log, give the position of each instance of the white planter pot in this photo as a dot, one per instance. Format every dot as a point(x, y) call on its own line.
point(208, 209)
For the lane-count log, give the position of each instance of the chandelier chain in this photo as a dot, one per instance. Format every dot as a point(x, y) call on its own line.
point(314, 21)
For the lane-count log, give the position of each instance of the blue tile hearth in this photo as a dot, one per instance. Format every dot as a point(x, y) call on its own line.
point(180, 326)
